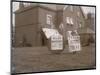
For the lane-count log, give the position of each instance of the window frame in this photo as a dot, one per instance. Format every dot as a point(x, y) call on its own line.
point(69, 20)
point(49, 19)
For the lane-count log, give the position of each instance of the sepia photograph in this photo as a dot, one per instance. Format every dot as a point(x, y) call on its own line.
point(51, 37)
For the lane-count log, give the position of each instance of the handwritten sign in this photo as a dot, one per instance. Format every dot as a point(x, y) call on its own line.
point(74, 42)
point(56, 42)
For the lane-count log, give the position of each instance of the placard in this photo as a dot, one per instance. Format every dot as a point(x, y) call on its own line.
point(74, 43)
point(56, 42)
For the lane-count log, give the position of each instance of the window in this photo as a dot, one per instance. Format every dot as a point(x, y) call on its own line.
point(61, 26)
point(49, 19)
point(80, 25)
point(69, 20)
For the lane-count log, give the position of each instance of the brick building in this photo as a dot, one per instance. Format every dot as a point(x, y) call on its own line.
point(31, 18)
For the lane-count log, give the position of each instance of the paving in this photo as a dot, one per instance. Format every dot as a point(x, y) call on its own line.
point(39, 59)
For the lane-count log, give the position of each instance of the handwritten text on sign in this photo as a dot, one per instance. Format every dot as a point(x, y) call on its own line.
point(56, 42)
point(74, 43)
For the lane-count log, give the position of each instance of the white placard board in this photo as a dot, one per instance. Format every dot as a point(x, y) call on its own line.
point(74, 43)
point(56, 42)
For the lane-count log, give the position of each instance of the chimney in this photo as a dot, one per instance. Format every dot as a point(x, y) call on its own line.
point(89, 15)
point(21, 5)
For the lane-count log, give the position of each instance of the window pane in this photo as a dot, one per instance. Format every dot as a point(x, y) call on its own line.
point(49, 19)
point(68, 20)
point(71, 21)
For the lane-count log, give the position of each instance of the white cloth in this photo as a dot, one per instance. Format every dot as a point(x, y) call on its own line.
point(49, 32)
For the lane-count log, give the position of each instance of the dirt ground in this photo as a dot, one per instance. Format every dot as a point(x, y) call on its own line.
point(38, 59)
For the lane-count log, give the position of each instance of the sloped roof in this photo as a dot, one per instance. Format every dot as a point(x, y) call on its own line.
point(82, 12)
point(49, 6)
point(53, 6)
point(50, 32)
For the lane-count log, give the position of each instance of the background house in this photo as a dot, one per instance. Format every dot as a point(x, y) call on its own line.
point(73, 19)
